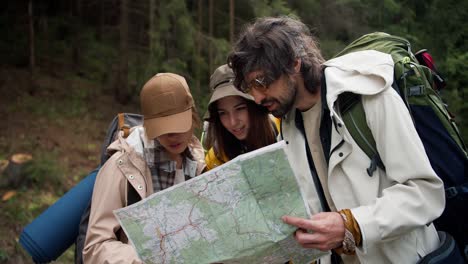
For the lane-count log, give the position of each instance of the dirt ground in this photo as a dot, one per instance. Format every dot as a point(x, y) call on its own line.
point(64, 123)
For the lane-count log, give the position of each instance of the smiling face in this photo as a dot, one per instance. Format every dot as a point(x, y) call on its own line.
point(175, 143)
point(234, 115)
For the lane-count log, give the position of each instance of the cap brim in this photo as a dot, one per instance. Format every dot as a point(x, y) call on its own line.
point(176, 123)
point(227, 90)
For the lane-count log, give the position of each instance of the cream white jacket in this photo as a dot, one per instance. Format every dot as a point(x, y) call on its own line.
point(394, 208)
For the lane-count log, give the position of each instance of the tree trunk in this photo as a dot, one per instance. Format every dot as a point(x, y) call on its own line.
point(14, 169)
point(151, 30)
point(32, 52)
point(122, 89)
point(77, 40)
point(101, 20)
point(199, 45)
point(210, 33)
point(231, 21)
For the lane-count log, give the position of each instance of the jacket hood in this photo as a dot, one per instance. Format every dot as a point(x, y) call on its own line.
point(136, 140)
point(371, 70)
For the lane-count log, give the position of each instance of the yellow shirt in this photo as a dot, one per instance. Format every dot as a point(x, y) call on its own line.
point(212, 161)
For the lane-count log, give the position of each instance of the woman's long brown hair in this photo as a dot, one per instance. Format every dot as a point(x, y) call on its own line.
point(261, 132)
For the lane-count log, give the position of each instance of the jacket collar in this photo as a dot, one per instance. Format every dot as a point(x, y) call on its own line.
point(136, 143)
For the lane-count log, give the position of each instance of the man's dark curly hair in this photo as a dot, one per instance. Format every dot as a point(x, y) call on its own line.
point(272, 45)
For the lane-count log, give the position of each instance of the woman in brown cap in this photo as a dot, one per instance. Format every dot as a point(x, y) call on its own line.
point(155, 156)
point(236, 123)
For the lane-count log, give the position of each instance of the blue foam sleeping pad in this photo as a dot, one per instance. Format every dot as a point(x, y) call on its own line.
point(55, 230)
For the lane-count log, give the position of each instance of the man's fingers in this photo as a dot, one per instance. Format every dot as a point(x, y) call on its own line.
point(305, 238)
point(308, 240)
point(324, 231)
point(297, 222)
point(303, 223)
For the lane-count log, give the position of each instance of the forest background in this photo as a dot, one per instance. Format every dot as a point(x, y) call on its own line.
point(68, 66)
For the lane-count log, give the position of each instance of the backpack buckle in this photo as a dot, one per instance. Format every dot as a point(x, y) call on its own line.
point(372, 166)
point(416, 90)
point(451, 192)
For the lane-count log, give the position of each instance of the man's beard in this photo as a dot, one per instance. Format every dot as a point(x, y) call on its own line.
point(286, 102)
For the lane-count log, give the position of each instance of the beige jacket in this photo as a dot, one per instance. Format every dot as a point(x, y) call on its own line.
point(105, 240)
point(394, 208)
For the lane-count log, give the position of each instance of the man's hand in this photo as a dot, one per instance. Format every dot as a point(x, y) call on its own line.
point(327, 230)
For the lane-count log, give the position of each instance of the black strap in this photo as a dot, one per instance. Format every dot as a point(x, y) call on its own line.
point(318, 186)
point(132, 195)
point(447, 251)
point(453, 191)
point(326, 122)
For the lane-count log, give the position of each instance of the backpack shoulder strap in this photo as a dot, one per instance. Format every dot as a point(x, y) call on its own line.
point(354, 117)
point(122, 126)
point(132, 195)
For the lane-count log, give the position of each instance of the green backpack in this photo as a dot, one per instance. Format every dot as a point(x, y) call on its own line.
point(417, 84)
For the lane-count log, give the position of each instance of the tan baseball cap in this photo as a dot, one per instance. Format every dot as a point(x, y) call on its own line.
point(166, 105)
point(221, 84)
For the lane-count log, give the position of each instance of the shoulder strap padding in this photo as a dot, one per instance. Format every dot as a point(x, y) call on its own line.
point(354, 117)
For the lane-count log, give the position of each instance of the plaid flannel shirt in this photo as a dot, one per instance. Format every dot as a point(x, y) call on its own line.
point(163, 169)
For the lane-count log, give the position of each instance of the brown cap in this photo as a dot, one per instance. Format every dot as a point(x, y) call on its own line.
point(221, 84)
point(166, 105)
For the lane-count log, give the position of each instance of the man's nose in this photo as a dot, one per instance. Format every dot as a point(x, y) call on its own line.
point(257, 95)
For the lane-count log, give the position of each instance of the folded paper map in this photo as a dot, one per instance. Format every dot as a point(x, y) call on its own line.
point(231, 214)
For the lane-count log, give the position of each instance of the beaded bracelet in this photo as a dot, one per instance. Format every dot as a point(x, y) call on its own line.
point(349, 244)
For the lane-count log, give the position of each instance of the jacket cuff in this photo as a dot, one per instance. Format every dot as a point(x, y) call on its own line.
point(369, 228)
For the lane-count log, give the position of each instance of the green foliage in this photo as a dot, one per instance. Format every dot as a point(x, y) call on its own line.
point(36, 106)
point(19, 211)
point(329, 47)
point(53, 40)
point(97, 56)
point(3, 255)
point(73, 104)
point(436, 25)
point(45, 171)
point(270, 8)
point(457, 78)
point(445, 36)
point(27, 204)
point(172, 40)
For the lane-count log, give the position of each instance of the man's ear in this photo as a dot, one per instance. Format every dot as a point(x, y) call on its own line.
point(297, 65)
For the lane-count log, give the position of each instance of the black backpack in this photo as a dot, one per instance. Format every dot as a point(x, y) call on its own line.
point(122, 122)
point(418, 82)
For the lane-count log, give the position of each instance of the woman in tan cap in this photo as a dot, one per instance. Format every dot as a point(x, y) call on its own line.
point(155, 156)
point(236, 123)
